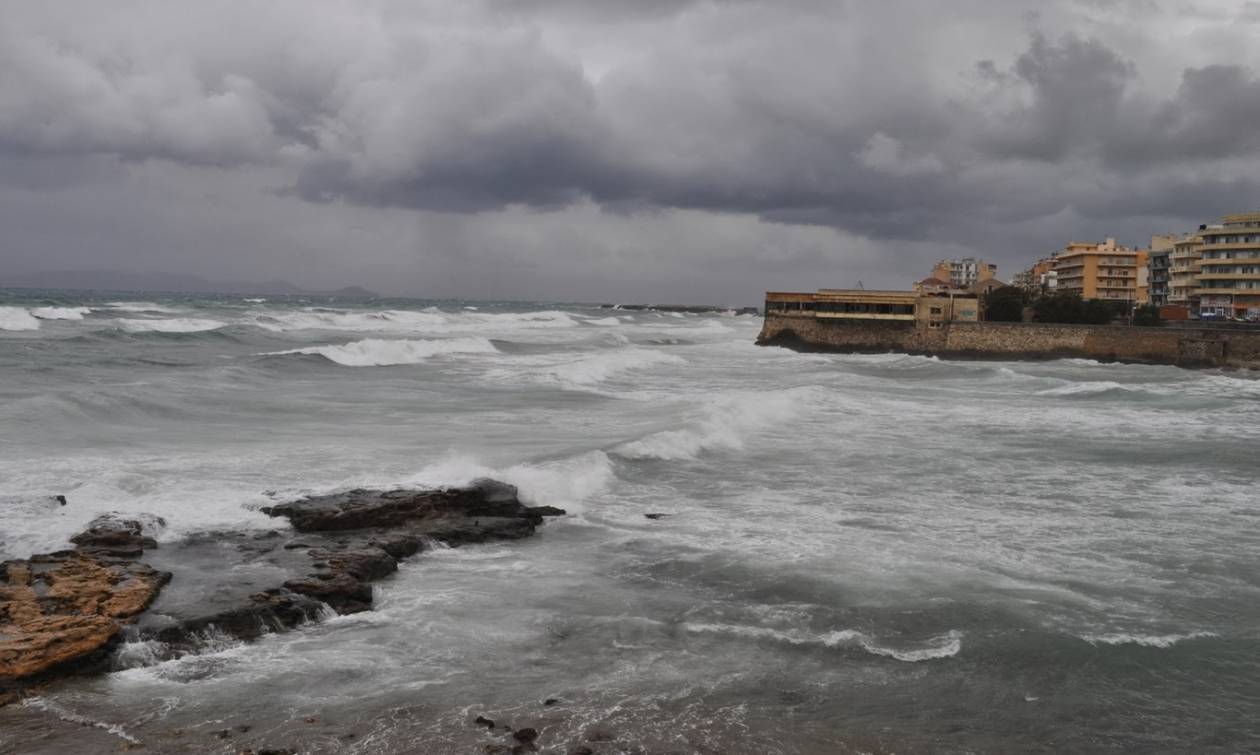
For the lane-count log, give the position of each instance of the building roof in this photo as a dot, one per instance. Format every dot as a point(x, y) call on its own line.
point(932, 282)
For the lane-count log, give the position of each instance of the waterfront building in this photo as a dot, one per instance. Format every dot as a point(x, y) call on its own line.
point(1183, 273)
point(964, 273)
point(1104, 271)
point(933, 310)
point(1229, 267)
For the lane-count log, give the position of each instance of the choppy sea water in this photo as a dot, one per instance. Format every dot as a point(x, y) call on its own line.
point(863, 553)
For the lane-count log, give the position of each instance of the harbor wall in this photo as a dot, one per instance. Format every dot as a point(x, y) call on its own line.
point(1186, 347)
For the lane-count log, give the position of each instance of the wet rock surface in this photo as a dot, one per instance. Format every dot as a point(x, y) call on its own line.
point(66, 611)
point(62, 612)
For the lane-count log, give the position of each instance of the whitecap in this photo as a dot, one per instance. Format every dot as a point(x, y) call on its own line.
point(726, 422)
point(173, 325)
point(60, 313)
point(17, 318)
point(595, 369)
point(936, 648)
point(139, 306)
point(565, 482)
point(1144, 640)
point(377, 352)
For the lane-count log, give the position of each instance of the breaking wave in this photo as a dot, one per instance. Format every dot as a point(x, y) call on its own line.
point(377, 352)
point(139, 306)
point(17, 318)
point(943, 646)
point(568, 482)
point(727, 422)
point(1144, 640)
point(173, 325)
point(427, 321)
point(601, 367)
point(61, 313)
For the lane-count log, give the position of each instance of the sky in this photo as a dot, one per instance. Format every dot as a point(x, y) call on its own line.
point(652, 151)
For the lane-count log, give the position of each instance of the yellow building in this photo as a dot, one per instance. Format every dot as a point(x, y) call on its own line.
point(1105, 271)
point(1229, 267)
point(1183, 272)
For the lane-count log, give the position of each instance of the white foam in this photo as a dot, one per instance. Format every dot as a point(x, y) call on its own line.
point(139, 306)
point(1085, 389)
point(255, 301)
point(60, 313)
point(607, 321)
point(943, 646)
point(428, 321)
point(1144, 640)
point(376, 352)
point(173, 325)
point(727, 421)
point(17, 318)
point(600, 367)
point(567, 483)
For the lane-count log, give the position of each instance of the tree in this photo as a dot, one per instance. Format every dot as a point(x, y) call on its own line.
point(1148, 315)
point(1060, 306)
point(1005, 304)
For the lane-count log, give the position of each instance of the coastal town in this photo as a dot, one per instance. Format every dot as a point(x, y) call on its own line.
point(1078, 302)
point(1211, 274)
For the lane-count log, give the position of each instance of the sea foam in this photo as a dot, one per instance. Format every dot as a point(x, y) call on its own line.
point(1144, 640)
point(17, 318)
point(378, 352)
point(943, 646)
point(60, 313)
point(726, 423)
point(172, 325)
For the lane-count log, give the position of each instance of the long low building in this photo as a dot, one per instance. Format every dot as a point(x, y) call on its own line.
point(861, 305)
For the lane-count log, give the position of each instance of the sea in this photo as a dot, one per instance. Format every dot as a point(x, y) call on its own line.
point(873, 553)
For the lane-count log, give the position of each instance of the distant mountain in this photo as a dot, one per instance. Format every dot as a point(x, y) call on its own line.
point(112, 280)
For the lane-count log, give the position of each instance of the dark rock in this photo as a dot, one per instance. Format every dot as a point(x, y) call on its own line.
point(581, 750)
point(656, 516)
point(111, 531)
point(486, 722)
point(343, 592)
point(550, 701)
point(60, 499)
point(547, 511)
point(528, 735)
point(273, 751)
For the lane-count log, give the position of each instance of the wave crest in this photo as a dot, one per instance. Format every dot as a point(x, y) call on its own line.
point(17, 318)
point(60, 313)
point(942, 646)
point(378, 352)
point(727, 421)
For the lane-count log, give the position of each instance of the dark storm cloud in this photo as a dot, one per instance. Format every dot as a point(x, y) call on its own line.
point(1001, 129)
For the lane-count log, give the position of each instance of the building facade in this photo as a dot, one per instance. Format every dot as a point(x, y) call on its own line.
point(1229, 267)
point(1183, 273)
point(1104, 271)
point(1158, 259)
point(930, 310)
point(965, 272)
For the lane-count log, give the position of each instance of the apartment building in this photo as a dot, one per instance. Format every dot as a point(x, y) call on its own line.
point(1229, 267)
point(1158, 260)
point(1105, 271)
point(1183, 273)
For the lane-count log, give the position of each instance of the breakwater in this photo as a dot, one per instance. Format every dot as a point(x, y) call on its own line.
point(1184, 347)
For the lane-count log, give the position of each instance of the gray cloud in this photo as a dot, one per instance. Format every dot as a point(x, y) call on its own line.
point(870, 134)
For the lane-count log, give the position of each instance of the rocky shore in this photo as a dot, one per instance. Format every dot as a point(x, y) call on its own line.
point(69, 612)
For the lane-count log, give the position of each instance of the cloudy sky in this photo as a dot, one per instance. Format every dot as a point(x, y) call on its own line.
point(593, 150)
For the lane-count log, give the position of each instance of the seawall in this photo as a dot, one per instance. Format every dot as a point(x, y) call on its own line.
point(1184, 347)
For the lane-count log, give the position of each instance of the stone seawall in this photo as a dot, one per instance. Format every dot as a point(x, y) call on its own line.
point(1184, 347)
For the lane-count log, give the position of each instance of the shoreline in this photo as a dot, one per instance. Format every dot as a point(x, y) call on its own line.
point(70, 613)
point(1000, 341)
